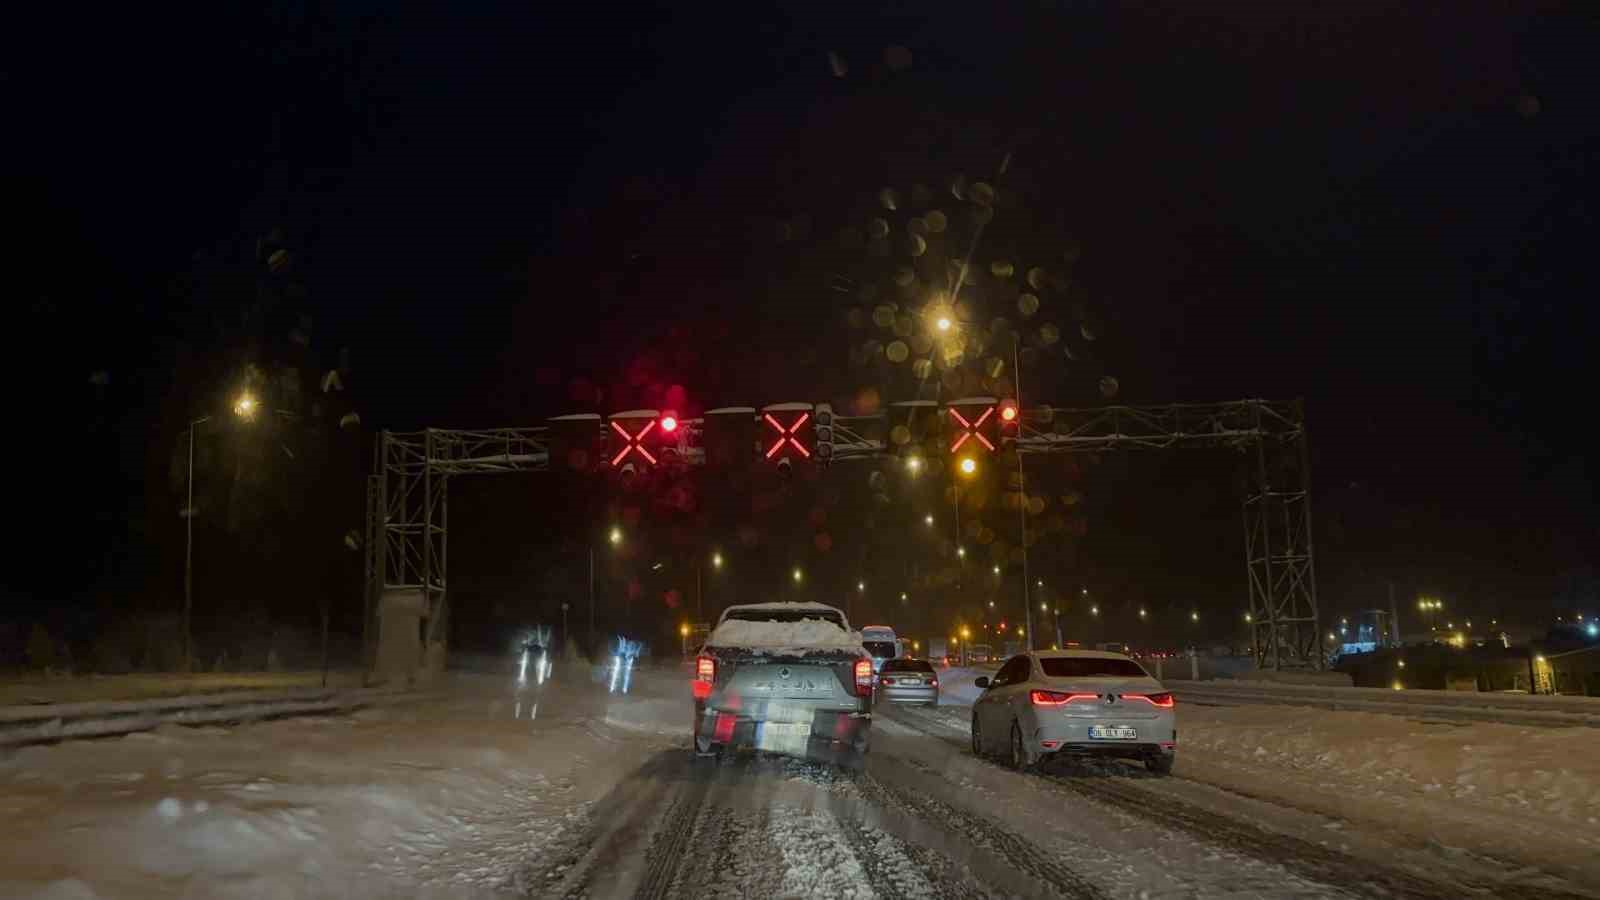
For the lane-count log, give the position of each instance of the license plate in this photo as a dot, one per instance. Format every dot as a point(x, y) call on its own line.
point(1112, 733)
point(783, 737)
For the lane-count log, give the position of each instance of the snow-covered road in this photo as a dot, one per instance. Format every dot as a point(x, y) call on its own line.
point(566, 789)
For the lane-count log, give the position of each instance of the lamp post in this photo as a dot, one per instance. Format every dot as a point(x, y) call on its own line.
point(188, 551)
point(245, 408)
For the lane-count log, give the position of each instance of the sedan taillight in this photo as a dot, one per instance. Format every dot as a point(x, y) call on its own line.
point(705, 674)
point(864, 677)
point(1056, 698)
point(1159, 701)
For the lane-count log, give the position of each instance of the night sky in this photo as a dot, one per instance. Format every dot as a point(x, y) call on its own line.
point(509, 212)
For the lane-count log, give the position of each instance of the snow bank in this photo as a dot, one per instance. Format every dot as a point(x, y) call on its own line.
point(1551, 773)
point(785, 638)
point(445, 799)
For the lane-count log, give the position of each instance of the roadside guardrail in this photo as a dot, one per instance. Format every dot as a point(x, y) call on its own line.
point(48, 723)
point(1456, 706)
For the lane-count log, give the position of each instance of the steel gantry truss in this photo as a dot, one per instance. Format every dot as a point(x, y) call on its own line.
point(408, 497)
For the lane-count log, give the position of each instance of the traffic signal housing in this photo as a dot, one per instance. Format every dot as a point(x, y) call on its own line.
point(789, 434)
point(638, 440)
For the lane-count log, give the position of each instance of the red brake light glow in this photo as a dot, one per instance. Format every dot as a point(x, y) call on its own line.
point(1056, 698)
point(1008, 411)
point(864, 677)
point(1160, 701)
point(705, 673)
point(669, 424)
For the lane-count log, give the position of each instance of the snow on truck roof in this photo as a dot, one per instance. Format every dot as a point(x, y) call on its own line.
point(792, 638)
point(786, 604)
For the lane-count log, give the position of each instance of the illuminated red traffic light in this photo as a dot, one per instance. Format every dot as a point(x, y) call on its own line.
point(970, 429)
point(669, 424)
point(1008, 411)
point(786, 435)
point(632, 442)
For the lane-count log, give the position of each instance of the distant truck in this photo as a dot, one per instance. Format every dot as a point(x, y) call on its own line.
point(938, 652)
point(788, 678)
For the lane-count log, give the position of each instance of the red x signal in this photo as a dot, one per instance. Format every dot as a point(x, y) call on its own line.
point(786, 435)
point(633, 442)
point(970, 429)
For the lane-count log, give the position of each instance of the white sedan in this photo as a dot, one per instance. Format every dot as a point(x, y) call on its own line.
point(1078, 703)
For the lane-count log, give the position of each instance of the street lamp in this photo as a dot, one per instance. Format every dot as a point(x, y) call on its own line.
point(997, 570)
point(914, 464)
point(1194, 616)
point(928, 519)
point(615, 537)
point(861, 587)
point(797, 575)
point(716, 560)
point(244, 407)
point(943, 323)
point(1094, 610)
point(1141, 612)
point(961, 552)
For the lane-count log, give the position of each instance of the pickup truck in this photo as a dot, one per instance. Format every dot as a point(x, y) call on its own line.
point(788, 678)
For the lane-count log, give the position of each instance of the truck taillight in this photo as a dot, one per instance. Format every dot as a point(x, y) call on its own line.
point(705, 673)
point(864, 677)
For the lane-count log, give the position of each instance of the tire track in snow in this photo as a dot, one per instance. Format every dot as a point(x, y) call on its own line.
point(672, 838)
point(1322, 864)
point(1018, 852)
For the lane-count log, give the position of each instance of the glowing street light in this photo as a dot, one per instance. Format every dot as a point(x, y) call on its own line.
point(943, 324)
point(1194, 616)
point(716, 560)
point(1141, 612)
point(961, 552)
point(914, 464)
point(861, 587)
point(1094, 610)
point(928, 519)
point(245, 406)
point(797, 575)
point(997, 570)
point(1249, 618)
point(615, 537)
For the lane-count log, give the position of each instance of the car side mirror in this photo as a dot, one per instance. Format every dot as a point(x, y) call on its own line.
point(981, 681)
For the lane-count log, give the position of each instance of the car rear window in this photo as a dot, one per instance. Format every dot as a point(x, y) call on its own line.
point(879, 648)
point(1090, 667)
point(784, 615)
point(907, 665)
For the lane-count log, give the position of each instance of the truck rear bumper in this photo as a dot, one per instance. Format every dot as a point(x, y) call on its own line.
point(831, 735)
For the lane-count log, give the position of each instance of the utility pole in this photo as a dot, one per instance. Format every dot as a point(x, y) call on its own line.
point(188, 553)
point(591, 595)
point(1022, 499)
